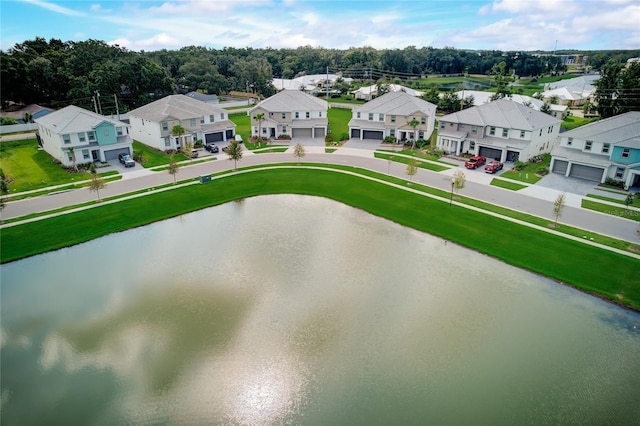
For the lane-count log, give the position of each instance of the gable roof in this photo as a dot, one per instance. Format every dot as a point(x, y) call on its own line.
point(503, 113)
point(176, 107)
point(73, 119)
point(480, 97)
point(392, 88)
point(397, 103)
point(623, 130)
point(292, 100)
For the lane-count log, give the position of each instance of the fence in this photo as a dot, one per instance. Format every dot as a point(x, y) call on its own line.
point(15, 128)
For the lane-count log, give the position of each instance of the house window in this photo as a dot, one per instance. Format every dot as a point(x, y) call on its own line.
point(605, 148)
point(284, 129)
point(472, 145)
point(85, 154)
point(192, 122)
point(474, 129)
point(587, 145)
point(625, 152)
point(380, 117)
point(306, 114)
point(370, 116)
point(284, 115)
point(212, 118)
point(91, 136)
point(167, 142)
point(569, 141)
point(442, 125)
point(393, 118)
point(320, 114)
point(69, 156)
point(423, 120)
point(492, 131)
point(81, 137)
point(297, 114)
point(165, 126)
point(105, 132)
point(222, 116)
point(119, 131)
point(619, 172)
point(358, 115)
point(505, 133)
point(392, 132)
point(421, 134)
point(522, 134)
point(540, 132)
point(66, 138)
point(264, 130)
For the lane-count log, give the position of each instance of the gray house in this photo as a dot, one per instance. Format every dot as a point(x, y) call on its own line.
point(503, 130)
point(75, 132)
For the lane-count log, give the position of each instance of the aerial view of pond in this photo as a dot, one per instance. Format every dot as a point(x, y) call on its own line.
point(291, 309)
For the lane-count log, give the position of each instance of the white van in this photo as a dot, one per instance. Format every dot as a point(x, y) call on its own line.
point(238, 138)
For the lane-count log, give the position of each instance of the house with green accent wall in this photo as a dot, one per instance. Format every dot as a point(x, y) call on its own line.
point(608, 148)
point(90, 137)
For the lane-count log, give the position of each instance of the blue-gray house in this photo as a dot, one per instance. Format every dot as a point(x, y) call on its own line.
point(608, 148)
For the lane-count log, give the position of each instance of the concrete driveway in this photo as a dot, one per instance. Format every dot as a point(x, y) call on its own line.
point(567, 184)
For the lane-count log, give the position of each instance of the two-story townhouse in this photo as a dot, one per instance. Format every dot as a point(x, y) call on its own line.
point(503, 130)
point(89, 137)
point(153, 124)
point(292, 113)
point(389, 115)
point(608, 148)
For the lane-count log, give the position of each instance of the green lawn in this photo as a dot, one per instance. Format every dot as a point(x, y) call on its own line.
point(243, 125)
point(528, 174)
point(154, 157)
point(582, 266)
point(572, 122)
point(612, 210)
point(339, 121)
point(31, 168)
point(405, 160)
point(506, 184)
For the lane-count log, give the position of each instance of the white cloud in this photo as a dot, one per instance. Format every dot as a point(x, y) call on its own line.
point(54, 7)
point(98, 8)
point(157, 42)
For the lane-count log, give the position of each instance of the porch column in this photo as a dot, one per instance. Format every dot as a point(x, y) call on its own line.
point(566, 173)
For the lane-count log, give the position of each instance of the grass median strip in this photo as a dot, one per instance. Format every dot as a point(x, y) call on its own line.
point(612, 210)
point(506, 184)
point(589, 268)
point(404, 160)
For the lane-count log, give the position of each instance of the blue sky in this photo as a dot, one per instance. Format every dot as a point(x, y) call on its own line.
point(463, 24)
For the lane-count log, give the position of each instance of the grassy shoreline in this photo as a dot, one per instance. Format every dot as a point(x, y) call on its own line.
point(587, 268)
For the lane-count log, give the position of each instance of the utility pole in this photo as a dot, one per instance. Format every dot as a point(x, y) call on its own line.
point(99, 105)
point(95, 105)
point(115, 98)
point(327, 84)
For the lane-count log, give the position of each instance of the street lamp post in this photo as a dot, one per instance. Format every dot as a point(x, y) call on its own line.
point(453, 182)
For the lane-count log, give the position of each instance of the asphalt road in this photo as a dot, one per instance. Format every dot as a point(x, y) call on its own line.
point(133, 181)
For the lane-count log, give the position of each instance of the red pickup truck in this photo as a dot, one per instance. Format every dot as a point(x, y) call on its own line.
point(475, 162)
point(493, 167)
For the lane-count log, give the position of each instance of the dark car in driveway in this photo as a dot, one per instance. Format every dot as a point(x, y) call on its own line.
point(126, 160)
point(212, 148)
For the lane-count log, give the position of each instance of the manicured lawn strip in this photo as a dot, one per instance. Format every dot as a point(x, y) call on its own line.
point(611, 200)
point(585, 267)
point(405, 160)
point(243, 125)
point(339, 121)
point(263, 151)
point(417, 155)
point(506, 184)
point(330, 150)
point(612, 210)
point(573, 122)
point(154, 157)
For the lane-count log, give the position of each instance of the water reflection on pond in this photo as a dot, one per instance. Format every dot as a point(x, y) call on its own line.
point(293, 309)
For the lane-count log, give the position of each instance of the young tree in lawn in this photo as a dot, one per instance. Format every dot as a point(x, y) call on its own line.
point(97, 183)
point(259, 118)
point(298, 152)
point(178, 130)
point(459, 180)
point(558, 205)
point(628, 200)
point(234, 151)
point(188, 147)
point(414, 125)
point(173, 168)
point(412, 168)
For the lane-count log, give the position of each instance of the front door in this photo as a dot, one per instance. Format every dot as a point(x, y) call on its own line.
point(95, 155)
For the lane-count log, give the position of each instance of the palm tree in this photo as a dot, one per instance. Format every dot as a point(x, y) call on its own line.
point(234, 151)
point(414, 125)
point(178, 131)
point(73, 158)
point(259, 118)
point(27, 118)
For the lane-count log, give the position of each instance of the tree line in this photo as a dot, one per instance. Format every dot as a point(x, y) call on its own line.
point(93, 74)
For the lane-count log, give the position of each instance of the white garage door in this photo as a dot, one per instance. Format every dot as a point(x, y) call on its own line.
point(586, 172)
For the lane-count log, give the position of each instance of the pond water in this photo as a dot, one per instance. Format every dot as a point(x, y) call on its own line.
point(299, 310)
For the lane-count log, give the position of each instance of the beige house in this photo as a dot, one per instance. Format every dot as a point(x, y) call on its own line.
point(291, 113)
point(389, 116)
point(152, 124)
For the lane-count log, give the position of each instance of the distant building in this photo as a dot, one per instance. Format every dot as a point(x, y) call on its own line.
point(314, 84)
point(481, 98)
point(369, 92)
point(17, 112)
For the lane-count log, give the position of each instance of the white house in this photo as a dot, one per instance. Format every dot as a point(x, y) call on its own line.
point(369, 92)
point(74, 131)
point(152, 124)
point(313, 84)
point(572, 92)
point(608, 148)
point(504, 130)
point(389, 116)
point(481, 98)
point(292, 113)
